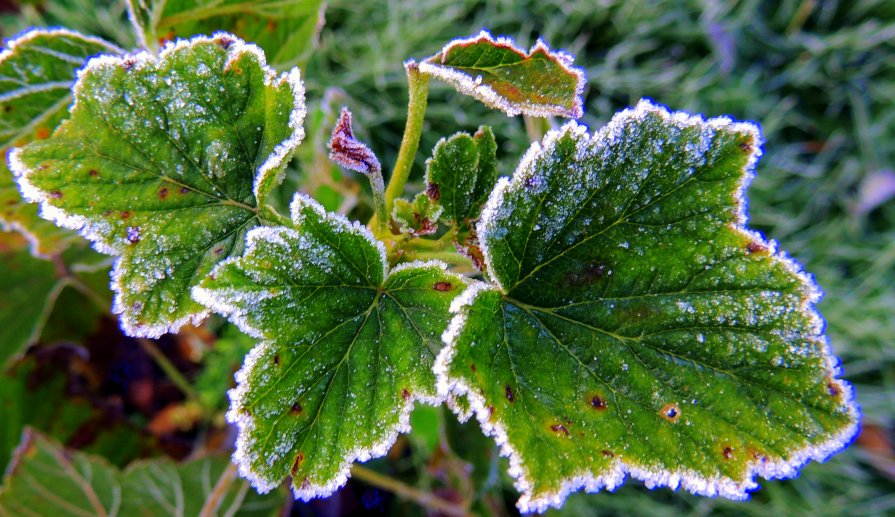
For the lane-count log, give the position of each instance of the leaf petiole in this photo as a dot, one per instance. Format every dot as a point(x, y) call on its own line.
point(413, 129)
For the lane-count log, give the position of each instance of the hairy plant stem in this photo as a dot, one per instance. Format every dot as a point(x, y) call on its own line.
point(413, 129)
point(424, 499)
point(170, 370)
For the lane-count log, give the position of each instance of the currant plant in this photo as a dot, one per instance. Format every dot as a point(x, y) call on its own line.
point(604, 312)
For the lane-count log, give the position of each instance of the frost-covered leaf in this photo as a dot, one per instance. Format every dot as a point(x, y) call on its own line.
point(635, 326)
point(45, 479)
point(37, 70)
point(286, 30)
point(30, 289)
point(461, 173)
point(164, 162)
point(417, 217)
point(539, 82)
point(346, 347)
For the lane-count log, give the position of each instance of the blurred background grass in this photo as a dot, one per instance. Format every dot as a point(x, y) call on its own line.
point(818, 76)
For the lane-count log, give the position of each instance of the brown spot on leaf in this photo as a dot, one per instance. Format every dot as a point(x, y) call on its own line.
point(56, 194)
point(276, 360)
point(405, 394)
point(490, 411)
point(670, 412)
point(598, 403)
point(163, 193)
point(508, 392)
point(296, 409)
point(607, 453)
point(756, 247)
point(433, 191)
point(472, 367)
point(746, 147)
point(225, 41)
point(125, 214)
point(443, 286)
point(7, 108)
point(300, 457)
point(560, 429)
point(727, 453)
point(833, 388)
point(184, 190)
point(218, 251)
point(42, 133)
point(271, 25)
point(93, 173)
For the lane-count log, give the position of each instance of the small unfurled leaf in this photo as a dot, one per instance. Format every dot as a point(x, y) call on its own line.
point(45, 479)
point(37, 70)
point(164, 162)
point(286, 30)
point(347, 346)
point(461, 173)
point(635, 326)
point(539, 82)
point(348, 151)
point(417, 217)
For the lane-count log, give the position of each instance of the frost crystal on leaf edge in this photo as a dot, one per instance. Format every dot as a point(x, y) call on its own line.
point(469, 86)
point(95, 231)
point(450, 386)
point(245, 423)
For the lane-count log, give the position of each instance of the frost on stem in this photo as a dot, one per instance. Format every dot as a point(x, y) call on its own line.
point(163, 164)
point(685, 350)
point(347, 347)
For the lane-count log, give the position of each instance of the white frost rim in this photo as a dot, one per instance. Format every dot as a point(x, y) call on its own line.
point(99, 232)
point(472, 86)
point(213, 298)
point(652, 478)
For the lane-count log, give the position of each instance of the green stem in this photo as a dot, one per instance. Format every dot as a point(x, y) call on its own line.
point(413, 129)
point(424, 499)
point(380, 217)
point(168, 367)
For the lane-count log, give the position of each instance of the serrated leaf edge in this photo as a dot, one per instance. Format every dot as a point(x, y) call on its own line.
point(11, 46)
point(467, 85)
point(691, 481)
point(95, 231)
point(245, 423)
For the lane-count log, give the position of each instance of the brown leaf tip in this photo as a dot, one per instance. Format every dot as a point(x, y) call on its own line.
point(349, 152)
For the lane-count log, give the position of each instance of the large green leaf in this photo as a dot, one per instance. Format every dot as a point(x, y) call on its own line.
point(286, 30)
point(346, 348)
point(45, 479)
point(635, 326)
point(37, 70)
point(164, 162)
point(539, 82)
